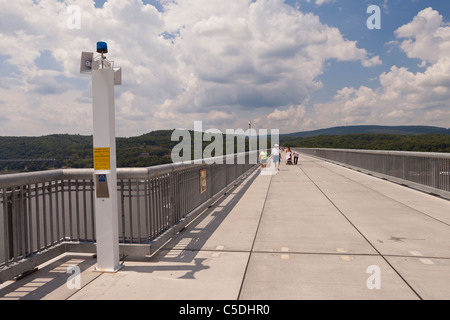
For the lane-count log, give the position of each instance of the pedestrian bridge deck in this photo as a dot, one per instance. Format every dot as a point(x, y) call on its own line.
point(311, 231)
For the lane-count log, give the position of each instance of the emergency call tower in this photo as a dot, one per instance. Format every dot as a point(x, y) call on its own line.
point(104, 77)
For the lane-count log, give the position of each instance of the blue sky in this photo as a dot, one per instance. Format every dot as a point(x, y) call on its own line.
point(350, 18)
point(291, 65)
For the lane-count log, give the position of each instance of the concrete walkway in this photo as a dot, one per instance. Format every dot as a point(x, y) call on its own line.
point(311, 231)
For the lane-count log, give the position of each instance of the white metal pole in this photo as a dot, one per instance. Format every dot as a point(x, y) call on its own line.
point(105, 175)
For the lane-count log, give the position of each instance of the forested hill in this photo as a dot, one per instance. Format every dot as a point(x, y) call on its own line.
point(366, 141)
point(75, 151)
point(402, 130)
point(19, 154)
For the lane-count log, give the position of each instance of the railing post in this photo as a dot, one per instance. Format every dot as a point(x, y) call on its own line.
point(172, 197)
point(9, 247)
point(404, 167)
point(435, 173)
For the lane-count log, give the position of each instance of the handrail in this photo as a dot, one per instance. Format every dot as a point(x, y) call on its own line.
point(47, 210)
point(425, 171)
point(14, 179)
point(440, 155)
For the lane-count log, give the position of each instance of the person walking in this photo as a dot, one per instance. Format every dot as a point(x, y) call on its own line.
point(263, 158)
point(276, 156)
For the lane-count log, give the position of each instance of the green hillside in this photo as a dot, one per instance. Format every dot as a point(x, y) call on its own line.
point(21, 154)
point(421, 143)
point(76, 151)
point(402, 130)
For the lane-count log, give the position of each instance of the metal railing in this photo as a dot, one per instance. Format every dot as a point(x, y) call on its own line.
point(48, 210)
point(426, 171)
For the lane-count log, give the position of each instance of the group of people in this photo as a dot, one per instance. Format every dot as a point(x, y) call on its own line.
point(291, 156)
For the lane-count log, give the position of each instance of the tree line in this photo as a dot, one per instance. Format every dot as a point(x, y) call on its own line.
point(76, 151)
point(419, 143)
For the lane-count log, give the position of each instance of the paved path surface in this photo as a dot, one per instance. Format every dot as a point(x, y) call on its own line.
point(311, 231)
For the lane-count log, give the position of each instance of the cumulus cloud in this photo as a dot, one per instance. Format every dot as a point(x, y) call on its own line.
point(404, 97)
point(245, 55)
point(221, 61)
point(427, 37)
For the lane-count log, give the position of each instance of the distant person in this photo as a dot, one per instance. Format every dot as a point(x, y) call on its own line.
point(288, 156)
point(276, 156)
point(295, 157)
point(263, 158)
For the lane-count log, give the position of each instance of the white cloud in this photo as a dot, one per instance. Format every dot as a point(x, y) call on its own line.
point(221, 61)
point(320, 2)
point(404, 97)
point(428, 38)
point(244, 55)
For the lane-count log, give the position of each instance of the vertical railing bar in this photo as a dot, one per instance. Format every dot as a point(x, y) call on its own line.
point(175, 199)
point(181, 193)
point(18, 216)
point(156, 206)
point(154, 218)
point(164, 201)
point(44, 212)
point(186, 193)
point(5, 226)
point(92, 189)
point(50, 193)
point(70, 210)
point(122, 203)
point(171, 183)
point(151, 208)
point(130, 207)
point(38, 219)
point(447, 175)
point(15, 228)
point(58, 233)
point(188, 190)
point(85, 211)
point(194, 175)
point(77, 209)
point(22, 223)
point(138, 210)
point(147, 210)
point(168, 204)
point(30, 221)
point(63, 210)
point(159, 206)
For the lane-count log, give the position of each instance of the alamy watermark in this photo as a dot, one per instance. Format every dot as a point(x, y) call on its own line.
point(74, 280)
point(374, 21)
point(235, 142)
point(374, 280)
point(73, 21)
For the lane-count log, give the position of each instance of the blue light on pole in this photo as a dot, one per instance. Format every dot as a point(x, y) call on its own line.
point(102, 47)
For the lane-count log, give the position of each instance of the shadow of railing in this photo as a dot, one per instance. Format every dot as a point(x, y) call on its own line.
point(180, 253)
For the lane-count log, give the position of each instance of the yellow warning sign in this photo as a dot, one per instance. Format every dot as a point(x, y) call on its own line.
point(202, 181)
point(102, 159)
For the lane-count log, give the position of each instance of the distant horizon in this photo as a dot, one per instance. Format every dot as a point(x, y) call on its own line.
point(283, 134)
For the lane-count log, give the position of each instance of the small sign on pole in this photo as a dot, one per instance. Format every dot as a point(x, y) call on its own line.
point(102, 160)
point(202, 181)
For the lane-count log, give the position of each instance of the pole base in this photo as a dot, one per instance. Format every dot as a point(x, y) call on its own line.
point(116, 269)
